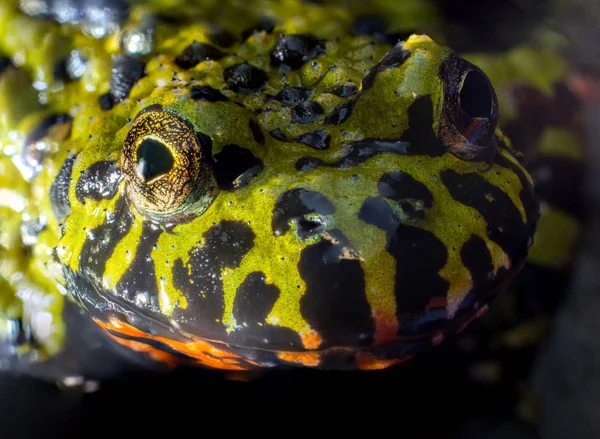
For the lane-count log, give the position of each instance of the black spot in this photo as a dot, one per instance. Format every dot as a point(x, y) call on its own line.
point(153, 159)
point(195, 53)
point(254, 299)
point(343, 91)
point(266, 24)
point(224, 246)
point(476, 95)
point(306, 112)
point(505, 225)
point(245, 78)
point(295, 204)
point(223, 38)
point(98, 248)
point(376, 27)
point(31, 155)
point(292, 96)
point(126, 71)
point(71, 67)
point(99, 181)
point(279, 135)
point(106, 101)
point(140, 278)
point(234, 166)
point(419, 258)
point(59, 191)
point(394, 58)
point(4, 63)
point(335, 303)
point(294, 50)
point(205, 93)
point(476, 257)
point(399, 186)
point(559, 181)
point(44, 127)
point(317, 139)
point(257, 133)
point(341, 113)
point(418, 139)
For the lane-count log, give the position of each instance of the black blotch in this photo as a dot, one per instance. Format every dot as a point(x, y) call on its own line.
point(418, 139)
point(254, 299)
point(70, 68)
point(223, 38)
point(279, 135)
point(97, 250)
point(245, 78)
point(394, 58)
point(234, 166)
point(376, 27)
point(153, 159)
point(31, 155)
point(559, 181)
point(106, 101)
point(59, 190)
point(266, 24)
point(294, 50)
point(197, 52)
point(292, 96)
point(140, 276)
point(335, 303)
point(504, 222)
point(400, 186)
point(205, 93)
point(295, 204)
point(341, 113)
point(343, 91)
point(99, 181)
point(4, 63)
point(44, 127)
point(224, 246)
point(126, 71)
point(257, 133)
point(317, 139)
point(476, 257)
point(419, 258)
point(306, 112)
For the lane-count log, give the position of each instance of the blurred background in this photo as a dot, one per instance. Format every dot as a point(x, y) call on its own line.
point(429, 397)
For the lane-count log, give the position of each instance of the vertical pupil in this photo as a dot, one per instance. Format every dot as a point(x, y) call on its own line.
point(153, 159)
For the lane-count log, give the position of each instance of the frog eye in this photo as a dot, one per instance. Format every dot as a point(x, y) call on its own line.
point(165, 168)
point(470, 111)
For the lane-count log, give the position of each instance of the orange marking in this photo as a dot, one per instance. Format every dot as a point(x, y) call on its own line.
point(203, 351)
point(366, 362)
point(310, 359)
point(437, 302)
point(311, 339)
point(386, 325)
point(156, 354)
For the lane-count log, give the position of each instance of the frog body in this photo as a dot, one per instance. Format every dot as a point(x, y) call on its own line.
point(300, 196)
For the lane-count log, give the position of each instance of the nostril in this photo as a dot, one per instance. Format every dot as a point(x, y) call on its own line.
point(310, 226)
point(476, 97)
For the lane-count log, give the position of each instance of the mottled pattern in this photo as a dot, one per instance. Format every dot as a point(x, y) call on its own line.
point(290, 194)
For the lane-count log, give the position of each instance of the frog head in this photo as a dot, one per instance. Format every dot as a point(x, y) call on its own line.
point(255, 213)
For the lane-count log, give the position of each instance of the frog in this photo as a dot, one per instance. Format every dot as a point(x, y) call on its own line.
point(294, 196)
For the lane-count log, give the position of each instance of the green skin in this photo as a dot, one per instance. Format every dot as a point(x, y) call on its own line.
point(64, 259)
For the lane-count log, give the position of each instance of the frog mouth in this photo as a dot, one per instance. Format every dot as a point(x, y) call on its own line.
point(165, 342)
